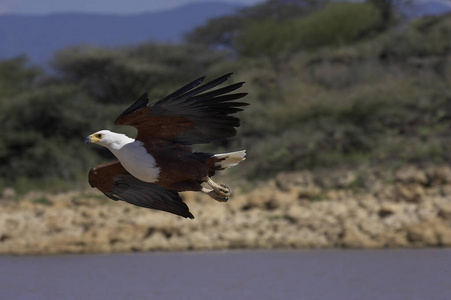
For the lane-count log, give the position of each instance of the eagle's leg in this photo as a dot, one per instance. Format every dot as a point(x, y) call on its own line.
point(220, 192)
point(213, 194)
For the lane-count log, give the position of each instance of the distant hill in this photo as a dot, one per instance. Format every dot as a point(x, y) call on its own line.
point(426, 8)
point(38, 36)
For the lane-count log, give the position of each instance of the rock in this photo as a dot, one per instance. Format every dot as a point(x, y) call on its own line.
point(443, 233)
point(339, 211)
point(422, 235)
point(306, 238)
point(445, 190)
point(342, 194)
point(355, 238)
point(408, 193)
point(288, 180)
point(403, 214)
point(427, 211)
point(300, 184)
point(386, 194)
point(393, 239)
point(444, 212)
point(341, 179)
point(439, 175)
point(298, 214)
point(411, 175)
point(346, 179)
point(388, 209)
point(8, 194)
point(157, 241)
point(373, 228)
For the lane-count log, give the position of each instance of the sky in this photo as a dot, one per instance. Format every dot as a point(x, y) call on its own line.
point(98, 6)
point(109, 6)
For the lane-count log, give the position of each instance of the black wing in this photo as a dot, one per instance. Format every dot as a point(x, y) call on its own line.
point(116, 183)
point(190, 115)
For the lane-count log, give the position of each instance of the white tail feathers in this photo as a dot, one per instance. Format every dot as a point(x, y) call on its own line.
point(230, 159)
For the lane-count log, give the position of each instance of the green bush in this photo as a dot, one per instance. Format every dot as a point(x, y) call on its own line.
point(335, 25)
point(43, 134)
point(122, 75)
point(427, 37)
point(220, 32)
point(17, 75)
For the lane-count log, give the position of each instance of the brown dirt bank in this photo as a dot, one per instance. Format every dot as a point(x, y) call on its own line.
point(290, 211)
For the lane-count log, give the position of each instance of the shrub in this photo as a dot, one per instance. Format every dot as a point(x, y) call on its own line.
point(337, 24)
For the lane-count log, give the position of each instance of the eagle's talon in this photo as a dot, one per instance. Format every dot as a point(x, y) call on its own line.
point(218, 197)
point(225, 190)
point(220, 188)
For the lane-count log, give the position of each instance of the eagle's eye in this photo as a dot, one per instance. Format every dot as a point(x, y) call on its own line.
point(98, 135)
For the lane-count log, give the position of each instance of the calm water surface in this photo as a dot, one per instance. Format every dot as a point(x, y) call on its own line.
point(308, 274)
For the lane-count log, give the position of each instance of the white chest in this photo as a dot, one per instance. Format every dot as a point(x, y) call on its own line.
point(137, 161)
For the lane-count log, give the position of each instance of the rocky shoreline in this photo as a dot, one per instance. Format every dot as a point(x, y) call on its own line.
point(293, 210)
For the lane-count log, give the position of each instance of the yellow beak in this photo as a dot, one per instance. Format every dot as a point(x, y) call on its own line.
point(91, 139)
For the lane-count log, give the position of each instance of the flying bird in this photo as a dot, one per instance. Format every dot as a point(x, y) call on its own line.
point(159, 163)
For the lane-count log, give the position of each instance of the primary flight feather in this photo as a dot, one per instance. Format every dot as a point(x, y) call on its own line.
point(159, 163)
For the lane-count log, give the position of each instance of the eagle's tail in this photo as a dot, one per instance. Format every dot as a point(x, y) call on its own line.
point(228, 160)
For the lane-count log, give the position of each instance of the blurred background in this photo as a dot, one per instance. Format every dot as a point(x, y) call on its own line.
point(348, 132)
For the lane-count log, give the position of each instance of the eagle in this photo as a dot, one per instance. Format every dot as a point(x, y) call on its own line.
point(159, 163)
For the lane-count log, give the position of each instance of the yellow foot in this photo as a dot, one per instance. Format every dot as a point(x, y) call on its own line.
point(220, 192)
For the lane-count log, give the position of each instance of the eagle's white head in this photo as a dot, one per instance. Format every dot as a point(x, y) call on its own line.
point(132, 155)
point(109, 139)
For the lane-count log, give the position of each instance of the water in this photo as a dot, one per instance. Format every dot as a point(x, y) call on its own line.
point(307, 274)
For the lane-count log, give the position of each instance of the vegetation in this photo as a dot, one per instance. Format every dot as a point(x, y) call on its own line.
point(335, 25)
point(331, 85)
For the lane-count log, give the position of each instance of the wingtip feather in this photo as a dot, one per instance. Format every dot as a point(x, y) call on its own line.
point(139, 103)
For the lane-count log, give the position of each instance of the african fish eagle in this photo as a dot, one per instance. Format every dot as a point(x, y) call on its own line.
point(153, 168)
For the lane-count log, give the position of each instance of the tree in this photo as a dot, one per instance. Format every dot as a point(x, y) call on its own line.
point(122, 75)
point(217, 32)
point(221, 32)
point(16, 75)
point(388, 10)
point(337, 24)
point(43, 131)
point(281, 10)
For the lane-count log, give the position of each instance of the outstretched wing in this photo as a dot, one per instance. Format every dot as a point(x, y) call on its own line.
point(116, 183)
point(190, 115)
